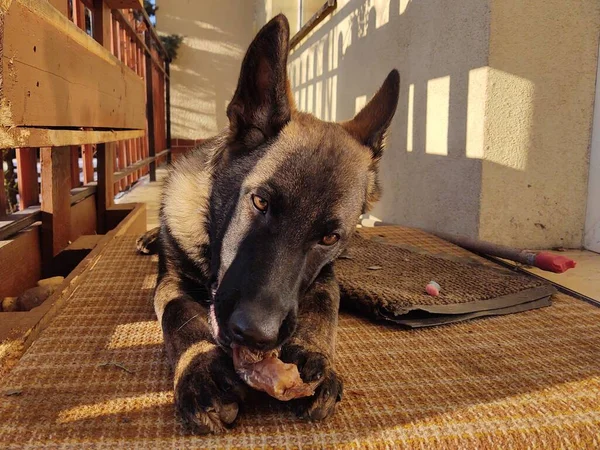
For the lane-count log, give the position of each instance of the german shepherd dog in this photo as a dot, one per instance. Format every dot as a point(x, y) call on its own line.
point(250, 224)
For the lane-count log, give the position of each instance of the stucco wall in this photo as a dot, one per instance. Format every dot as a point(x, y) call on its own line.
point(491, 137)
point(492, 133)
point(204, 75)
point(538, 119)
point(431, 174)
point(592, 223)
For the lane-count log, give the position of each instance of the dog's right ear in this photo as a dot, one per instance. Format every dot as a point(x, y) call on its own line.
point(260, 106)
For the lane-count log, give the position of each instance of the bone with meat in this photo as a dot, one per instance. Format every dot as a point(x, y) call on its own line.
point(264, 371)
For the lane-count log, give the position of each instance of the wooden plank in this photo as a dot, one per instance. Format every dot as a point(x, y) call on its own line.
point(45, 137)
point(122, 212)
point(57, 76)
point(81, 193)
point(83, 218)
point(18, 221)
point(125, 4)
point(106, 195)
point(85, 242)
point(136, 166)
point(75, 178)
point(27, 175)
point(87, 154)
point(328, 7)
point(20, 262)
point(61, 5)
point(56, 200)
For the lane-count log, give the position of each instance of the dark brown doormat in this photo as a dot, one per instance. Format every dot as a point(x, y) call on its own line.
point(383, 277)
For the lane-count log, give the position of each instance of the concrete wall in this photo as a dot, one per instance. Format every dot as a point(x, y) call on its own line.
point(491, 137)
point(592, 223)
point(204, 75)
point(538, 117)
point(429, 179)
point(492, 133)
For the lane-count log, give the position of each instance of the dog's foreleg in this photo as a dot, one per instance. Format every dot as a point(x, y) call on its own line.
point(312, 347)
point(207, 390)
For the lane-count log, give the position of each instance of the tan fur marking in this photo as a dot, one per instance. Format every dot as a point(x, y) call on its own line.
point(186, 358)
point(166, 292)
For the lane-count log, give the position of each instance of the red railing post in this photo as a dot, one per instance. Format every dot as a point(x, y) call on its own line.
point(27, 174)
point(168, 107)
point(106, 193)
point(150, 107)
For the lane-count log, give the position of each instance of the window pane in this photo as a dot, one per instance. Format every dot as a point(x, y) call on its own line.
point(309, 9)
point(290, 8)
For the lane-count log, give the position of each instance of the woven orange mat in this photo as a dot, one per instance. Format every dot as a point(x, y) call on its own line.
point(98, 377)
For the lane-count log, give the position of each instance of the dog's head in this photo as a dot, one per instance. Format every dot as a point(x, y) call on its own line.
point(287, 193)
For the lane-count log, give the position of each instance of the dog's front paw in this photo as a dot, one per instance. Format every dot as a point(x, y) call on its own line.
point(315, 366)
point(147, 243)
point(208, 392)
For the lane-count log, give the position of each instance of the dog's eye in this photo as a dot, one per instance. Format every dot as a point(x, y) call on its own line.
point(330, 239)
point(260, 203)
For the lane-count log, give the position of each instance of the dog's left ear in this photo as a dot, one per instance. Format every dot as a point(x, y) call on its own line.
point(371, 123)
point(261, 105)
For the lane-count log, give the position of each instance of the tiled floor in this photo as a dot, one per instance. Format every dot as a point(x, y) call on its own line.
point(584, 279)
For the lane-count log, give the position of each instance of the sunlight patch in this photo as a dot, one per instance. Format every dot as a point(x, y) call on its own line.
point(136, 334)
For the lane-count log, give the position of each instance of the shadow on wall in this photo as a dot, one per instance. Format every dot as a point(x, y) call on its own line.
point(340, 67)
point(433, 170)
point(204, 75)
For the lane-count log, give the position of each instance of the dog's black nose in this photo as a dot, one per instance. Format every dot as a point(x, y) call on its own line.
point(258, 334)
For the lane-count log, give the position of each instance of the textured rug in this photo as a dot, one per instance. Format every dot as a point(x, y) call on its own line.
point(383, 277)
point(98, 377)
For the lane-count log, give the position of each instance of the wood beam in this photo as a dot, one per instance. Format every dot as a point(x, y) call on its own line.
point(61, 77)
point(75, 181)
point(138, 165)
point(125, 4)
point(48, 137)
point(105, 154)
point(328, 7)
point(56, 200)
